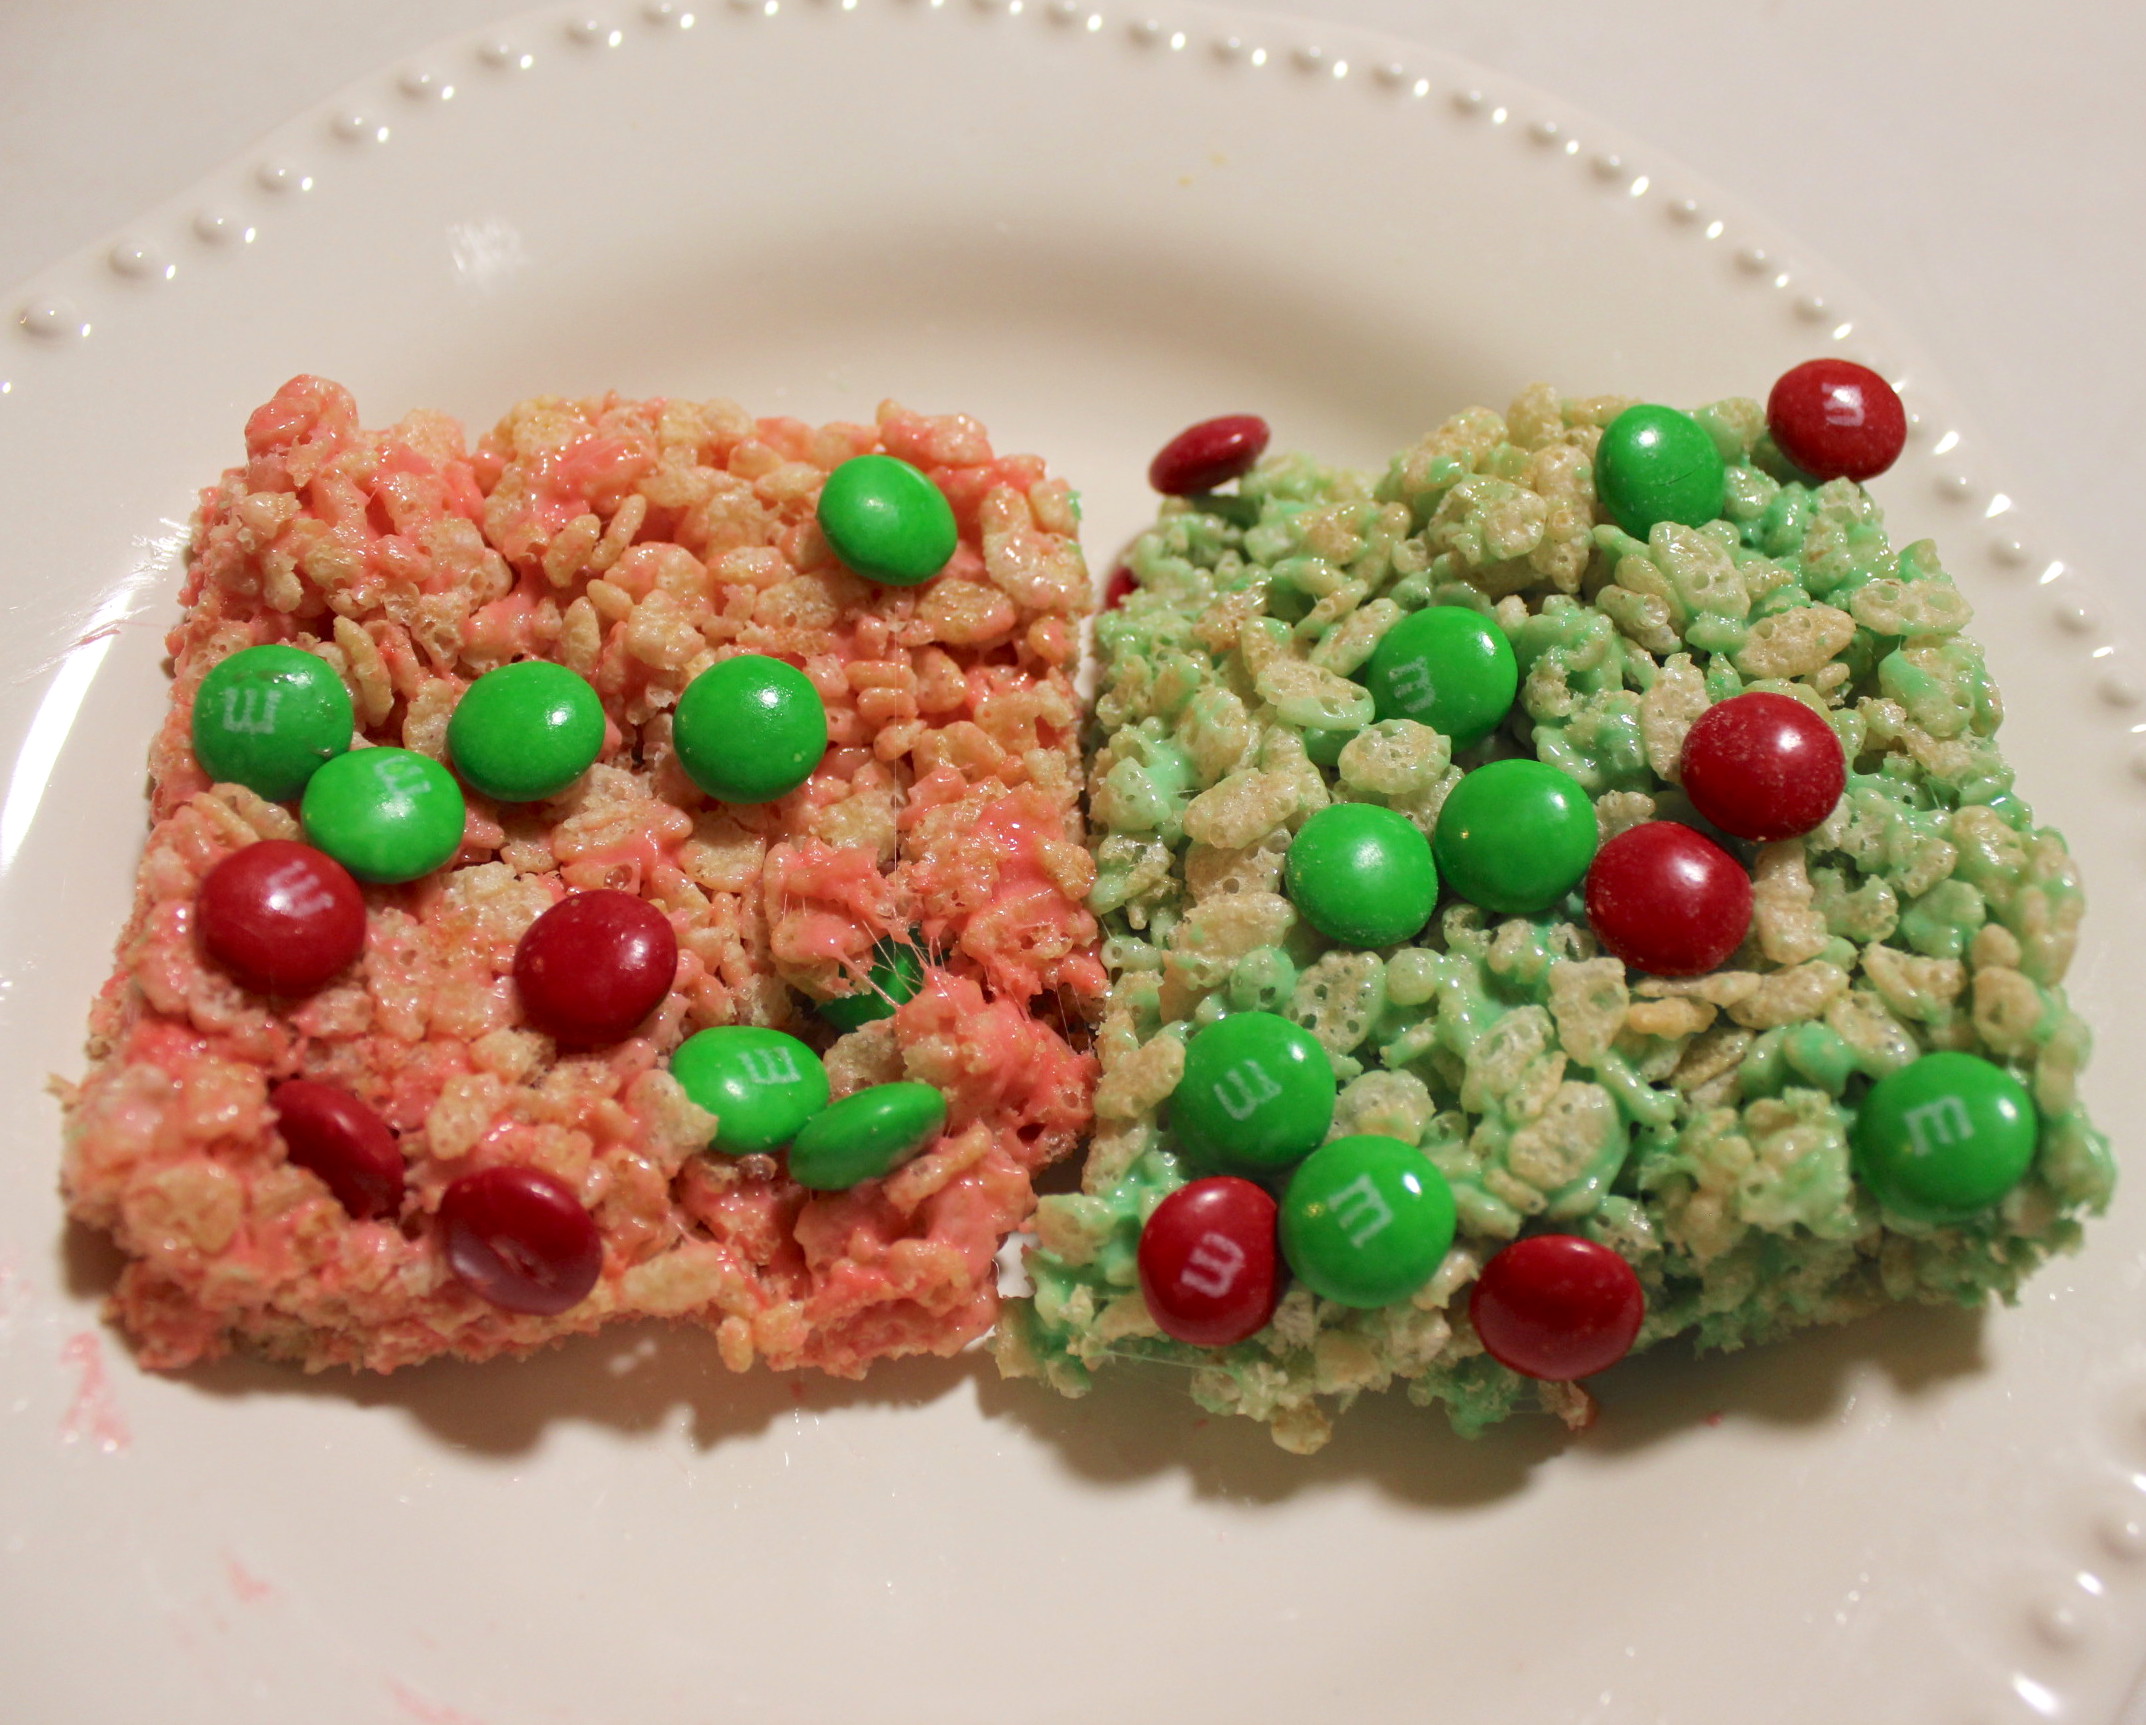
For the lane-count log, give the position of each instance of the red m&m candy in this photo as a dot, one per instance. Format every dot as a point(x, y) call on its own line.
point(1208, 454)
point(1208, 1262)
point(594, 965)
point(521, 1239)
point(338, 1137)
point(1557, 1306)
point(280, 917)
point(1668, 900)
point(1763, 767)
point(1118, 588)
point(1836, 419)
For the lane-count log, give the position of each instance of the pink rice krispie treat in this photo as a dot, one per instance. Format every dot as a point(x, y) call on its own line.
point(637, 543)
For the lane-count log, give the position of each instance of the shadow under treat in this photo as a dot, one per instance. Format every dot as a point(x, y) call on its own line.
point(630, 1378)
point(1806, 1379)
point(1139, 1422)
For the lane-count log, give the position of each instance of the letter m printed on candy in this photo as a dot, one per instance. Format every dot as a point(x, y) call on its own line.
point(1243, 1088)
point(1411, 686)
point(770, 1065)
point(1213, 1266)
point(403, 775)
point(297, 884)
point(1935, 1124)
point(1362, 1210)
point(251, 709)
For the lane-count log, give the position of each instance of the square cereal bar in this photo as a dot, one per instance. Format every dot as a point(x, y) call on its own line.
point(636, 543)
point(1482, 1127)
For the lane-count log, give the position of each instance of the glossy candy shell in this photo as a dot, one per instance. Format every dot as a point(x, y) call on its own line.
point(1362, 875)
point(387, 815)
point(1557, 1307)
point(592, 967)
point(750, 729)
point(1763, 766)
point(1448, 667)
point(268, 717)
point(887, 521)
point(1837, 420)
point(896, 975)
point(521, 1239)
point(1668, 900)
point(1257, 1094)
point(1515, 836)
point(1655, 464)
point(1210, 1262)
point(281, 917)
point(1945, 1137)
point(1209, 454)
point(526, 731)
point(333, 1133)
point(866, 1135)
point(1366, 1220)
point(762, 1085)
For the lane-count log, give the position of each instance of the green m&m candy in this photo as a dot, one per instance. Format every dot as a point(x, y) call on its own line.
point(896, 975)
point(386, 815)
point(760, 1085)
point(865, 1135)
point(526, 731)
point(1257, 1094)
point(750, 729)
point(1515, 836)
point(887, 521)
point(1447, 667)
point(1945, 1137)
point(1362, 874)
point(1656, 464)
point(267, 717)
point(1366, 1220)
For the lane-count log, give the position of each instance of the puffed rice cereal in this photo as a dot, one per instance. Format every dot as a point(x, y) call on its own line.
point(1699, 1126)
point(637, 542)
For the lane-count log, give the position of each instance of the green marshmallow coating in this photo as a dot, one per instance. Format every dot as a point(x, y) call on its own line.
point(865, 1135)
point(1257, 1094)
point(761, 1085)
point(1366, 1220)
point(386, 815)
point(1945, 1137)
point(1656, 464)
point(1447, 667)
point(886, 521)
point(1362, 874)
point(1324, 747)
point(750, 729)
point(526, 731)
point(267, 717)
point(1515, 837)
point(896, 975)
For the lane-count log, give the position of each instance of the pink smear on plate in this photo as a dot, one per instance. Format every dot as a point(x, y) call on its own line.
point(249, 1587)
point(428, 1712)
point(95, 1412)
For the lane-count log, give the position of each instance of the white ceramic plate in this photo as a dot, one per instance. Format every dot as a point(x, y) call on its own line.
point(1088, 229)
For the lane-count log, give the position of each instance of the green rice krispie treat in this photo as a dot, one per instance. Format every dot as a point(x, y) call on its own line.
point(1561, 893)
